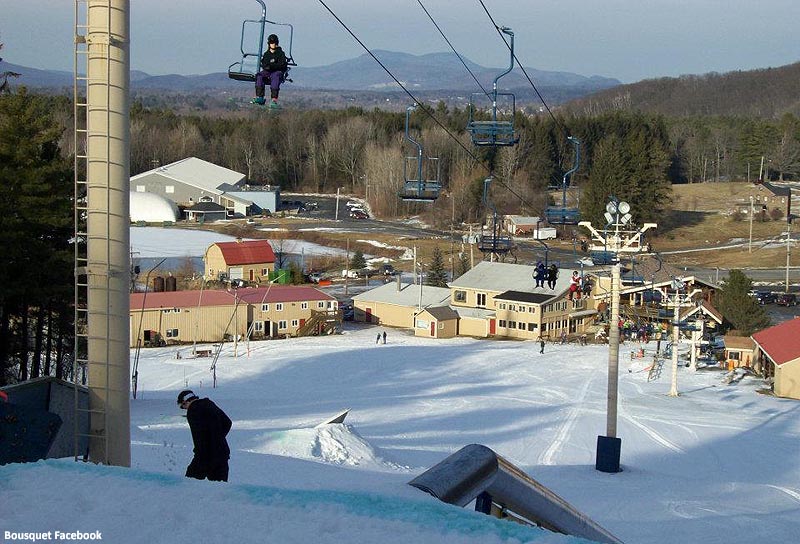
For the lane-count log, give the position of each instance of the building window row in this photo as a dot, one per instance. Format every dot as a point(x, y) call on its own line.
point(519, 325)
point(522, 308)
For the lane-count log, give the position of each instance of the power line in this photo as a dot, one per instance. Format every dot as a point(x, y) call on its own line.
point(453, 48)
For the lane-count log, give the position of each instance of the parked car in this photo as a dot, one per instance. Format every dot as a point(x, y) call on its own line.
point(765, 297)
point(787, 299)
point(316, 276)
point(388, 270)
point(359, 214)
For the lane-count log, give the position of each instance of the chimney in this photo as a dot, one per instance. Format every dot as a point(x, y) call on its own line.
point(238, 239)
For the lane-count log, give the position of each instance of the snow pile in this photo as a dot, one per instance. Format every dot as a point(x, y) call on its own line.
point(337, 444)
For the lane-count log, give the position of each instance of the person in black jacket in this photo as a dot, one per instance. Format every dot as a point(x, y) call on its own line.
point(209, 426)
point(273, 71)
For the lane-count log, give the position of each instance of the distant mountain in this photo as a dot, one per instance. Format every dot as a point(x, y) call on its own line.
point(435, 71)
point(763, 93)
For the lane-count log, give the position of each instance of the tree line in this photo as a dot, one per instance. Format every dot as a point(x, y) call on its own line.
point(631, 155)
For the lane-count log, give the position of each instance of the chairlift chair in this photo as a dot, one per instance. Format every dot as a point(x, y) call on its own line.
point(566, 215)
point(419, 188)
point(248, 67)
point(494, 131)
point(494, 243)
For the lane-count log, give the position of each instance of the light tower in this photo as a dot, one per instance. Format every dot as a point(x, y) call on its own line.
point(619, 236)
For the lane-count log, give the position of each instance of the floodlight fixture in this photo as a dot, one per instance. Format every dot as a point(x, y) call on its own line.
point(624, 207)
point(610, 207)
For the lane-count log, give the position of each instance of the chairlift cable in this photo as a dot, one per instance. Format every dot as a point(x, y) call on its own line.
point(409, 93)
point(453, 48)
point(422, 106)
point(522, 67)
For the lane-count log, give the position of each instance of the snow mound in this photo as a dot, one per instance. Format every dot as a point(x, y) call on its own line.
point(336, 444)
point(152, 208)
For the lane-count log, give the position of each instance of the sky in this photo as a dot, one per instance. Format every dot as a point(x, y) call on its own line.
point(625, 39)
point(719, 464)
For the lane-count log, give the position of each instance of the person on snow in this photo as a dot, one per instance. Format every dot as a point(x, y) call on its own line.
point(273, 71)
point(209, 426)
point(384, 337)
point(540, 274)
point(575, 285)
point(552, 276)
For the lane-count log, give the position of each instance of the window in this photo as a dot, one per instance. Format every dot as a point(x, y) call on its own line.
point(512, 308)
point(265, 307)
point(531, 309)
point(460, 296)
point(734, 355)
point(304, 305)
point(171, 310)
point(205, 199)
point(320, 304)
point(501, 323)
point(258, 326)
point(279, 307)
point(531, 327)
point(281, 325)
point(295, 323)
point(264, 271)
point(481, 299)
point(332, 304)
point(441, 326)
point(512, 324)
point(169, 189)
point(502, 306)
point(172, 333)
point(521, 326)
point(140, 189)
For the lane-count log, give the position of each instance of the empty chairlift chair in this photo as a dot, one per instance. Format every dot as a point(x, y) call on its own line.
point(249, 65)
point(566, 214)
point(494, 243)
point(421, 175)
point(492, 126)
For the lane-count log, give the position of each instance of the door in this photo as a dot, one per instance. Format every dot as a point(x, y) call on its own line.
point(492, 326)
point(235, 273)
point(368, 311)
point(433, 328)
point(268, 329)
point(302, 322)
point(252, 275)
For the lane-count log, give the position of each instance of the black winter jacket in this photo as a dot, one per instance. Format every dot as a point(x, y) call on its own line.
point(209, 426)
point(274, 61)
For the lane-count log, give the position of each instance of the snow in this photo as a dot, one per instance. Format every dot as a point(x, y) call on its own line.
point(718, 464)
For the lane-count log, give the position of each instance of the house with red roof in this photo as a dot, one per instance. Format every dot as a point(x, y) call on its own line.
point(249, 260)
point(779, 350)
point(210, 315)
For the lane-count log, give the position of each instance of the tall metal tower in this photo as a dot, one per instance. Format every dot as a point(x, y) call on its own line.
point(102, 221)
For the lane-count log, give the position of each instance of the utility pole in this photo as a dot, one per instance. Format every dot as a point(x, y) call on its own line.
point(750, 244)
point(346, 265)
point(336, 216)
point(788, 249)
point(619, 236)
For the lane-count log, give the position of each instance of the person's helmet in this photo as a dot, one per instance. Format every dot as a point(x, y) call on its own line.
point(272, 39)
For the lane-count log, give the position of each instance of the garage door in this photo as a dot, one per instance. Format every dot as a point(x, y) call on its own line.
point(235, 273)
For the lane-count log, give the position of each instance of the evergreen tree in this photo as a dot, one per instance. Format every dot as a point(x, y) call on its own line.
point(437, 276)
point(357, 262)
point(35, 231)
point(737, 306)
point(463, 264)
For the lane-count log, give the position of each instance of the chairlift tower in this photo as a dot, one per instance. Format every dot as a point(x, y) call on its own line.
point(678, 297)
point(619, 236)
point(101, 102)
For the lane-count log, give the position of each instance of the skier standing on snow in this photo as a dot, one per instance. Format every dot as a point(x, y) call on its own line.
point(209, 426)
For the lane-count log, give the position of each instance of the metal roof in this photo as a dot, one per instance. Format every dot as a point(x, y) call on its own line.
point(520, 296)
point(502, 277)
point(442, 313)
point(781, 343)
point(217, 297)
point(408, 295)
point(198, 173)
point(246, 252)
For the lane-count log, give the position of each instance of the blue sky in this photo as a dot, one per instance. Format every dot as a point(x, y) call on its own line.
point(626, 39)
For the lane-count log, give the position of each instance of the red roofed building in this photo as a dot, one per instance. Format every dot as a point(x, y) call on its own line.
point(779, 347)
point(250, 260)
point(209, 315)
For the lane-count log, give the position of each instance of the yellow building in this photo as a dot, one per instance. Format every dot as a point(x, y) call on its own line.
point(250, 260)
point(436, 322)
point(212, 315)
point(779, 350)
point(395, 304)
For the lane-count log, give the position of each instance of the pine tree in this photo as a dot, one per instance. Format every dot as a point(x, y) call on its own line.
point(463, 264)
point(737, 306)
point(437, 276)
point(357, 262)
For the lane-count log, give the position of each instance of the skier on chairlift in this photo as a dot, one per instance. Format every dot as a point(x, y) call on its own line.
point(274, 66)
